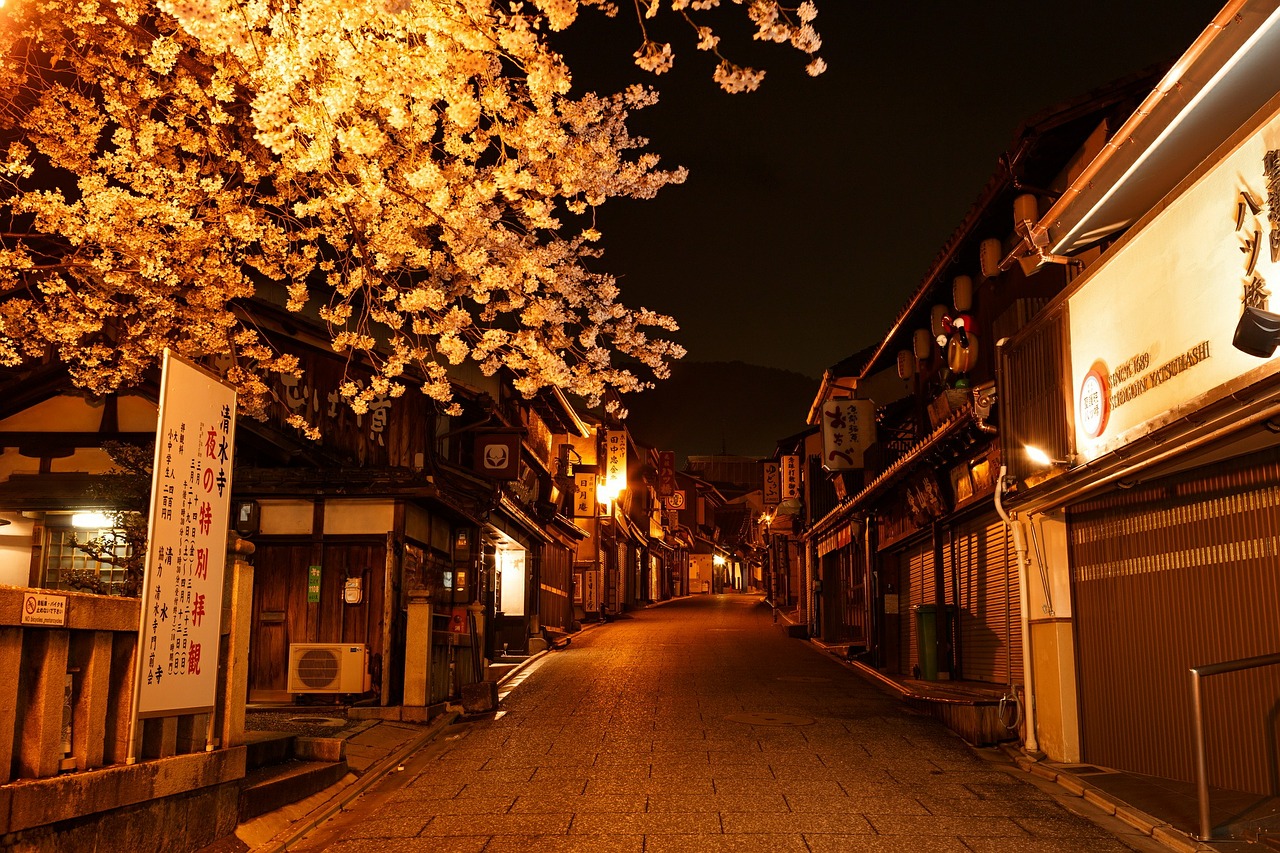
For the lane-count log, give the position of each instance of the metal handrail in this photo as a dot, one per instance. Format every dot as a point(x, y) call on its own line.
point(1197, 706)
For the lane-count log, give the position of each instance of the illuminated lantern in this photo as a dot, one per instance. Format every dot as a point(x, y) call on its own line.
point(1026, 210)
point(989, 257)
point(962, 293)
point(922, 344)
point(938, 321)
point(906, 364)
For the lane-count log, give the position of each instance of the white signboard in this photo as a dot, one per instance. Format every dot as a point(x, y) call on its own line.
point(187, 543)
point(584, 495)
point(848, 428)
point(1152, 325)
point(39, 608)
point(615, 456)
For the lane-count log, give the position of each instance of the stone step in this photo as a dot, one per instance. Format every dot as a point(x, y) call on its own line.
point(266, 748)
point(266, 789)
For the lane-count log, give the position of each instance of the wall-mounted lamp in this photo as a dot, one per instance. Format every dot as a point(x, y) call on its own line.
point(1031, 264)
point(1257, 333)
point(1039, 457)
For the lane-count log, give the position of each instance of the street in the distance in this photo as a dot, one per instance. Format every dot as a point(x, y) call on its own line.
point(699, 726)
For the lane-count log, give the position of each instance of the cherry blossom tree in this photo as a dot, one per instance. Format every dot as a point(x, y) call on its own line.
point(415, 174)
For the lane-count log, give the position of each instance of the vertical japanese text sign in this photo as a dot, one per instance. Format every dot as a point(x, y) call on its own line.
point(848, 427)
point(584, 495)
point(666, 472)
point(186, 543)
point(615, 445)
point(790, 477)
point(772, 486)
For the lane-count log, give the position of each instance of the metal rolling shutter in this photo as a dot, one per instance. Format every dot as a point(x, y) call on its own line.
point(1181, 573)
point(987, 585)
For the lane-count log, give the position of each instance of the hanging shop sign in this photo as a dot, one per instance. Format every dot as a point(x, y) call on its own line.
point(615, 460)
point(848, 428)
point(666, 473)
point(497, 454)
point(772, 484)
point(584, 495)
point(790, 474)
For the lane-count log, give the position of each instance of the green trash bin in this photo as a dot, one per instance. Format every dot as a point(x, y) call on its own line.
point(927, 640)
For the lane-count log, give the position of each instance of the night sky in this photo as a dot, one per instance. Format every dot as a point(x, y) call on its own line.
point(815, 206)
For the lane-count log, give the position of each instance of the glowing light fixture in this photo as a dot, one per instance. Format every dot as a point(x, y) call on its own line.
point(718, 560)
point(92, 521)
point(1039, 457)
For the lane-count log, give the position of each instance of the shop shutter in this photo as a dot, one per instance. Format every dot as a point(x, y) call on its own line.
point(1176, 574)
point(986, 579)
point(916, 578)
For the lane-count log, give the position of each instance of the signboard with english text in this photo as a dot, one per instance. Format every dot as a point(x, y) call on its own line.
point(1152, 322)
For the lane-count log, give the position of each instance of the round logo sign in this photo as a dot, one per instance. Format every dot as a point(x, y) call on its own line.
point(1095, 401)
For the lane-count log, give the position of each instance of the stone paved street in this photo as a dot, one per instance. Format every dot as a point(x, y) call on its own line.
point(698, 726)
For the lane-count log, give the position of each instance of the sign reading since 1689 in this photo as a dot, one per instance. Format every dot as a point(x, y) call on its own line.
point(187, 546)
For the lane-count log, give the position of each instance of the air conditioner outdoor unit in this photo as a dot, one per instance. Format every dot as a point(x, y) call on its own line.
point(328, 668)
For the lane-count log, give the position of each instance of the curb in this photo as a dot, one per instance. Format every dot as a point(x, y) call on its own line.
point(1159, 831)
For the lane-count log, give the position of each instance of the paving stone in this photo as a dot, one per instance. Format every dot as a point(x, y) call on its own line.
point(717, 803)
point(603, 843)
point(942, 825)
point(504, 824)
point(753, 843)
point(542, 803)
point(649, 823)
point(835, 843)
point(803, 822)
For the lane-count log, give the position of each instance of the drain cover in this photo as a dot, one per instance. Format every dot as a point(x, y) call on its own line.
point(804, 679)
point(319, 721)
point(762, 719)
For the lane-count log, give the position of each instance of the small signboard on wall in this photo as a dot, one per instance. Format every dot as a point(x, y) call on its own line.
point(313, 585)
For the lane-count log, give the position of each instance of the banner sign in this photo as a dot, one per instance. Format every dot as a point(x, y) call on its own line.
point(615, 459)
point(584, 495)
point(848, 428)
point(666, 472)
point(181, 615)
point(790, 473)
point(772, 485)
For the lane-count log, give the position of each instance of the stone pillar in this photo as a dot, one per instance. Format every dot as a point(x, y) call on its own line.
point(238, 613)
point(417, 653)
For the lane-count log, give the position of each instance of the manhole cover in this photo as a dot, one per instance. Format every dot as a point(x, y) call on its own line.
point(804, 679)
point(318, 721)
point(770, 719)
